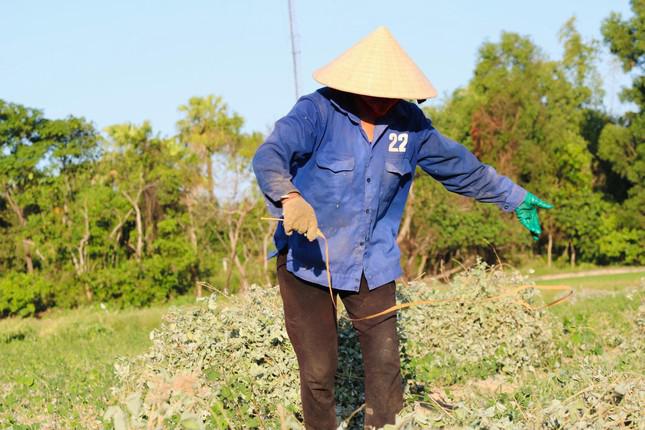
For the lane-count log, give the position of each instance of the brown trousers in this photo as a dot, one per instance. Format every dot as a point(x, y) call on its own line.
point(310, 321)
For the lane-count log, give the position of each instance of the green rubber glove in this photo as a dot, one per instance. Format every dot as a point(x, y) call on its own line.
point(527, 214)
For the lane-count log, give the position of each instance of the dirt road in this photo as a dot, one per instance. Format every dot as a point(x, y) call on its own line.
point(596, 272)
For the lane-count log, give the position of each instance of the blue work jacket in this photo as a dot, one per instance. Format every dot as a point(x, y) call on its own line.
point(358, 188)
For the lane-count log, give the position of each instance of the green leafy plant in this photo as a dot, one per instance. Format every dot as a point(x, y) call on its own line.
point(24, 294)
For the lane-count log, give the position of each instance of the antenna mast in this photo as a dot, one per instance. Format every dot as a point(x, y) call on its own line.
point(294, 51)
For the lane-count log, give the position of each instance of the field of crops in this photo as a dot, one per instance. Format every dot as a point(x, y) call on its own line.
point(226, 362)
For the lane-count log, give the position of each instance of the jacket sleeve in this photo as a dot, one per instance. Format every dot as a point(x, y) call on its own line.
point(461, 172)
point(290, 143)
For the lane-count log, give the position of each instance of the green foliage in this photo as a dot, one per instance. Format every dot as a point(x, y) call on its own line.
point(209, 125)
point(447, 225)
point(534, 119)
point(580, 217)
point(23, 294)
point(626, 38)
point(621, 144)
point(155, 280)
point(103, 219)
point(621, 245)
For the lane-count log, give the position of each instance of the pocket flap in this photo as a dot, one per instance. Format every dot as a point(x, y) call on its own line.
point(335, 164)
point(400, 167)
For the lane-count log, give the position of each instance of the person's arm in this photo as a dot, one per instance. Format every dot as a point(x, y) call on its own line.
point(291, 141)
point(461, 172)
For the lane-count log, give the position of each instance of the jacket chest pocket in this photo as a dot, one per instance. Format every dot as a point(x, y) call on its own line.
point(395, 175)
point(333, 175)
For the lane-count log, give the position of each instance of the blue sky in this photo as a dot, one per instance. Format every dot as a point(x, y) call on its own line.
point(118, 61)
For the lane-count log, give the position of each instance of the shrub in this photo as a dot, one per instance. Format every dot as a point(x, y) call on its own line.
point(24, 294)
point(154, 280)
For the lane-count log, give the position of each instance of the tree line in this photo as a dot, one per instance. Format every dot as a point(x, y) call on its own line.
point(128, 216)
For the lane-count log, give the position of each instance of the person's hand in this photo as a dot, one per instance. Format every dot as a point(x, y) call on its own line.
point(298, 215)
point(527, 214)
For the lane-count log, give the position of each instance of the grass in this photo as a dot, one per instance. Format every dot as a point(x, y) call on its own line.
point(539, 267)
point(57, 370)
point(599, 286)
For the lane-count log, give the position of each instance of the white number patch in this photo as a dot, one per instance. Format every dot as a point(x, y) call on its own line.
point(394, 138)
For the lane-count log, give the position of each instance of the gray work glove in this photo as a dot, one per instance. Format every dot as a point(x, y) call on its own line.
point(298, 215)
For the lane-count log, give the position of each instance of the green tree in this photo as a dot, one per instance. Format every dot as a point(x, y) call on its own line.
point(622, 143)
point(207, 128)
point(43, 162)
point(22, 149)
point(147, 176)
point(223, 223)
point(523, 113)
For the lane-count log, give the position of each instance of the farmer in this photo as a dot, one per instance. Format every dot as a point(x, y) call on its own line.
point(342, 161)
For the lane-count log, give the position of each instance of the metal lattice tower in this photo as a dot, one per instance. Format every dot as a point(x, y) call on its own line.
point(294, 50)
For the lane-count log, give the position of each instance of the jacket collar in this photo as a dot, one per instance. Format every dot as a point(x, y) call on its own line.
point(342, 102)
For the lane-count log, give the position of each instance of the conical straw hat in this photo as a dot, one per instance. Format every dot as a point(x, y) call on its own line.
point(377, 66)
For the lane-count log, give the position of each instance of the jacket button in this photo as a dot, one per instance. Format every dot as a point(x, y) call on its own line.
point(362, 243)
point(369, 179)
point(367, 211)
